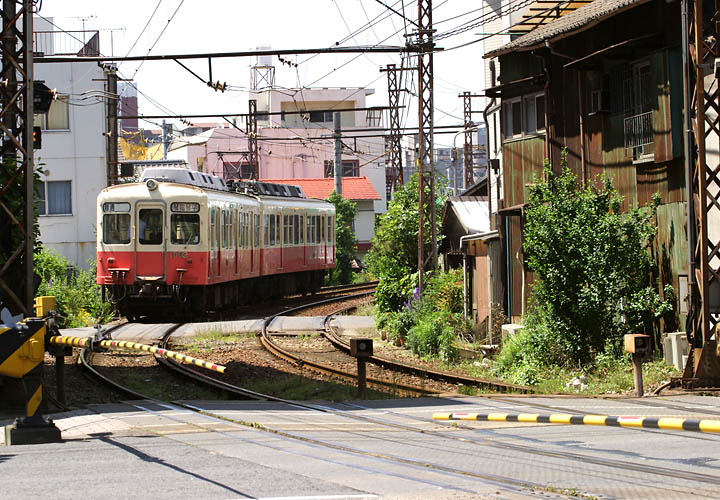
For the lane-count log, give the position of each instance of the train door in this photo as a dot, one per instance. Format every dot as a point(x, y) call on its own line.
point(214, 243)
point(303, 241)
point(150, 242)
point(255, 241)
point(323, 237)
point(235, 226)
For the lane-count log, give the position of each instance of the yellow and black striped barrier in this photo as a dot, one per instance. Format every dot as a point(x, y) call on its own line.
point(122, 344)
point(666, 423)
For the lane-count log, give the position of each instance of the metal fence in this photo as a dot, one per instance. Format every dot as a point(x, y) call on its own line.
point(67, 43)
point(639, 130)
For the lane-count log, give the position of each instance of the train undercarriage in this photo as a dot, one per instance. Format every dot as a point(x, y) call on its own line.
point(158, 299)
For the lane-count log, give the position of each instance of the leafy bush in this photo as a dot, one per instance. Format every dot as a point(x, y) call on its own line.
point(78, 298)
point(433, 337)
point(592, 264)
point(394, 254)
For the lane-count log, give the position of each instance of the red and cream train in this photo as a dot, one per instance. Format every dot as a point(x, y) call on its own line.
point(179, 240)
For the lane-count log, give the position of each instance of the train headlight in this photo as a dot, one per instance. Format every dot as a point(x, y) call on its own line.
point(151, 184)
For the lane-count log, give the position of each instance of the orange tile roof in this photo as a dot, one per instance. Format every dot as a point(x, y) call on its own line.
point(353, 188)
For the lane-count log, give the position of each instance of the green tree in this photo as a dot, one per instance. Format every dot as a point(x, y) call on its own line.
point(394, 253)
point(345, 242)
point(592, 269)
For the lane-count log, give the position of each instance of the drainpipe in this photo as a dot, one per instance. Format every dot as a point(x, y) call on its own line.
point(489, 175)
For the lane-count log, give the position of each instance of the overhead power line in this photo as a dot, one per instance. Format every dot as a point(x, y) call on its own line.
point(247, 53)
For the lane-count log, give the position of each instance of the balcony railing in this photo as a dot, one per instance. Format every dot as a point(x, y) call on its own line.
point(639, 130)
point(67, 43)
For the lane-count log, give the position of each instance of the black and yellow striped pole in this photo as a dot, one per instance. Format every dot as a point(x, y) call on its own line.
point(666, 423)
point(122, 344)
point(22, 352)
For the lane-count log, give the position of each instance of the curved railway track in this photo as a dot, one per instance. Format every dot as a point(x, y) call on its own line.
point(444, 436)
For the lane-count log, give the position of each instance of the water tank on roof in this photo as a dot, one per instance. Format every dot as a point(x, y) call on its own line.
point(263, 60)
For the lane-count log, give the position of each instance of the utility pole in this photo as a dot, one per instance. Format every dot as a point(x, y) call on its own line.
point(424, 46)
point(703, 184)
point(469, 175)
point(17, 189)
point(338, 153)
point(165, 139)
point(112, 124)
point(393, 148)
point(252, 135)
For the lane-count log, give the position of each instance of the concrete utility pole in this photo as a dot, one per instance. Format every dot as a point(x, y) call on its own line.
point(426, 171)
point(17, 232)
point(338, 153)
point(165, 139)
point(112, 124)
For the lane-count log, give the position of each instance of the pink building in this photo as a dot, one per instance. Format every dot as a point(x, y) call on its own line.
point(295, 128)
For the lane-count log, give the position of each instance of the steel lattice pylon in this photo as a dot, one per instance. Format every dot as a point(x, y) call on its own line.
point(17, 232)
point(394, 160)
point(426, 171)
point(701, 47)
point(468, 176)
point(252, 135)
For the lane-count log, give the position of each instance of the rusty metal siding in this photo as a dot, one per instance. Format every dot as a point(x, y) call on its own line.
point(522, 162)
point(670, 248)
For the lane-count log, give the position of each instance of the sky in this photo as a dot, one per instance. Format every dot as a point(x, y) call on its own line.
point(159, 27)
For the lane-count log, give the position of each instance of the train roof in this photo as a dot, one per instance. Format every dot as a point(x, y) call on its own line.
point(186, 176)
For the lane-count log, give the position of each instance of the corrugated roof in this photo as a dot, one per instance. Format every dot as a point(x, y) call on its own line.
point(472, 213)
point(353, 188)
point(582, 18)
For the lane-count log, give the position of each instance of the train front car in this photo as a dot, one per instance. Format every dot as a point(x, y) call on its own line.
point(149, 247)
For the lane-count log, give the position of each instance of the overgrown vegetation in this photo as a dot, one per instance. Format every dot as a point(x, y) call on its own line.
point(592, 269)
point(345, 242)
point(430, 324)
point(394, 253)
point(79, 301)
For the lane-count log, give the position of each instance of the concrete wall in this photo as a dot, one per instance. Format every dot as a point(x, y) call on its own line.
point(76, 155)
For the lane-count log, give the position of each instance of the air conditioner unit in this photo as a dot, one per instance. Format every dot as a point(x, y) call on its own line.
point(599, 101)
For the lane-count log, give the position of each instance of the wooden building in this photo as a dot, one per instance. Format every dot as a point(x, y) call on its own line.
point(605, 82)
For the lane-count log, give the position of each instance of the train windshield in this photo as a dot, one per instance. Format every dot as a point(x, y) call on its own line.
point(185, 229)
point(151, 226)
point(116, 229)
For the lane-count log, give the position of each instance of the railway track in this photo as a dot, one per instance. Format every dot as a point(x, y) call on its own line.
point(440, 439)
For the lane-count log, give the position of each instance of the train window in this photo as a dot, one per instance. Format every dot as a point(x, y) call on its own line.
point(301, 230)
point(322, 237)
point(116, 229)
point(286, 230)
point(212, 228)
point(296, 228)
point(116, 207)
point(256, 239)
point(150, 228)
point(185, 229)
point(187, 207)
point(272, 230)
point(277, 229)
point(223, 232)
point(241, 230)
point(329, 230)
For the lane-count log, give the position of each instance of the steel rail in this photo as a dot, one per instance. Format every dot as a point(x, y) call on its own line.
point(316, 366)
point(395, 365)
point(490, 442)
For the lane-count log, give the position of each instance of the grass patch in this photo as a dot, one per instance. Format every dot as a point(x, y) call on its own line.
point(300, 388)
point(368, 309)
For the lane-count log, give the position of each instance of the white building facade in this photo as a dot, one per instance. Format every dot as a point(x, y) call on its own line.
point(72, 159)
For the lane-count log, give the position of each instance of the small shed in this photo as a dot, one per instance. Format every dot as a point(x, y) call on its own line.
point(470, 243)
